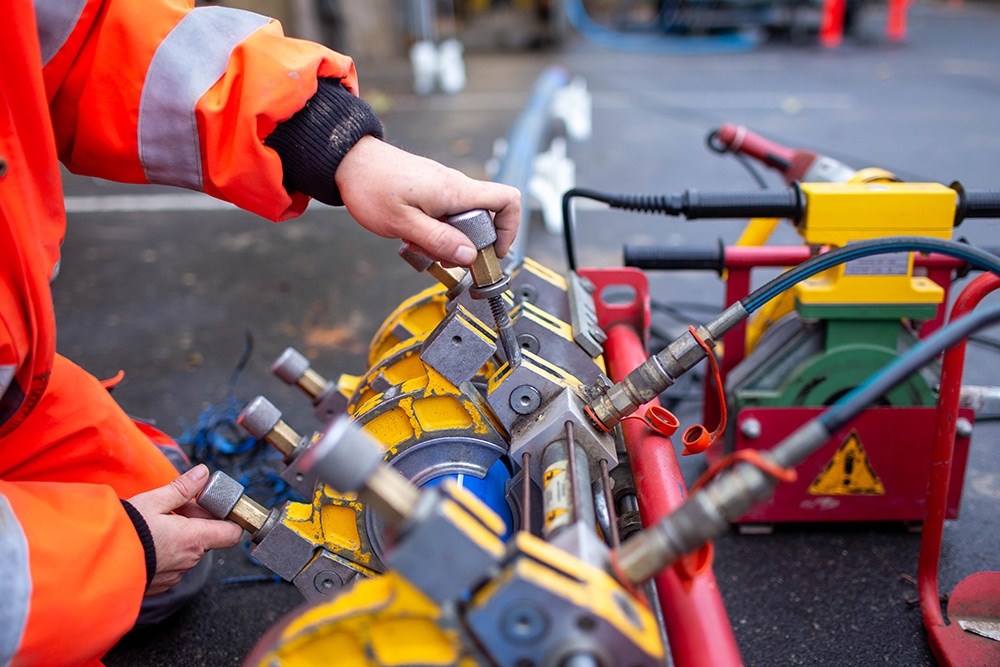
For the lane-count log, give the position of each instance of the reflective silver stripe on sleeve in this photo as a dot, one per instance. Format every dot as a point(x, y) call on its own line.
point(56, 20)
point(6, 375)
point(15, 583)
point(186, 64)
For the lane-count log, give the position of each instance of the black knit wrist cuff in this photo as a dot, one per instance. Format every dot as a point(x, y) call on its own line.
point(312, 143)
point(145, 537)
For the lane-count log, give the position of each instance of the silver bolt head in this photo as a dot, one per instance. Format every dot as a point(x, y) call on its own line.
point(750, 428)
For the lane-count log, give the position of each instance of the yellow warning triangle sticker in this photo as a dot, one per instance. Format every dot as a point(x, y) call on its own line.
point(848, 473)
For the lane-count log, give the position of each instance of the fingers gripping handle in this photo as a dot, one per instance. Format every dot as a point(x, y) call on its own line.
point(477, 224)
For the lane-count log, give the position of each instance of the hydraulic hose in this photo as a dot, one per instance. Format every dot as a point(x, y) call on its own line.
point(708, 512)
point(974, 257)
point(662, 369)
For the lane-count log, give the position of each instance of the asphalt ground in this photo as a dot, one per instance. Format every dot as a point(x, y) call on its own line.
point(166, 287)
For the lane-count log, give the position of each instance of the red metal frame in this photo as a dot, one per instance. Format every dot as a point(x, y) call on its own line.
point(698, 626)
point(901, 468)
point(905, 488)
point(952, 645)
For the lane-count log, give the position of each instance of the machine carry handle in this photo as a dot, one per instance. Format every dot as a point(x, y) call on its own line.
point(676, 258)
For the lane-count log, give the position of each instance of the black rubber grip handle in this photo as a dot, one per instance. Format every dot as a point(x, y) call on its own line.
point(982, 203)
point(675, 258)
point(786, 203)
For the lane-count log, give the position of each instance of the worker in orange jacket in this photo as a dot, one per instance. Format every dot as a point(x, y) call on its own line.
point(92, 517)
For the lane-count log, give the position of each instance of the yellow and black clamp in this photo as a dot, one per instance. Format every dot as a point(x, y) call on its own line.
point(444, 540)
point(316, 572)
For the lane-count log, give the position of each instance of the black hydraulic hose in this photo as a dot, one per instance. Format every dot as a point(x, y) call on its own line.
point(660, 371)
point(707, 512)
point(973, 256)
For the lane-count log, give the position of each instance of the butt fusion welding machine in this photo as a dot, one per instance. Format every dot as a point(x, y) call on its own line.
point(501, 477)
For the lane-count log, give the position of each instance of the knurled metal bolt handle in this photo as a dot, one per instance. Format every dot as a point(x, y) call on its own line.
point(487, 275)
point(293, 368)
point(349, 459)
point(263, 421)
point(223, 498)
point(450, 278)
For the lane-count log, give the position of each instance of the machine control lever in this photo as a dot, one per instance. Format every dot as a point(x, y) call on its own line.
point(488, 279)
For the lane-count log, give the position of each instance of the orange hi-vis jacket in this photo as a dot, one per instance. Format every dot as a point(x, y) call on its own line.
point(136, 91)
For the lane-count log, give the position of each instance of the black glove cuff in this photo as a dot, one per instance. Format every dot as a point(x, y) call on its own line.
point(312, 143)
point(145, 537)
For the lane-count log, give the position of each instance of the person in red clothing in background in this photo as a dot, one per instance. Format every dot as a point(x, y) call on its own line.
point(92, 516)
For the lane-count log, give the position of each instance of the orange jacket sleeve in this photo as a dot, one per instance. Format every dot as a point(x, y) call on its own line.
point(91, 525)
point(160, 92)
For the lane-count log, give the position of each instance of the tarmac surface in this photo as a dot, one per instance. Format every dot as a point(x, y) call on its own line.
point(165, 285)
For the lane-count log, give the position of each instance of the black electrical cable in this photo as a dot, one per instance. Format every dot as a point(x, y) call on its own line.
point(973, 256)
point(716, 147)
point(867, 393)
point(568, 218)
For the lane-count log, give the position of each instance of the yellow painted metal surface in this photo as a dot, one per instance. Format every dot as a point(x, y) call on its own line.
point(415, 316)
point(849, 473)
point(839, 213)
point(379, 622)
point(333, 521)
point(584, 586)
point(842, 212)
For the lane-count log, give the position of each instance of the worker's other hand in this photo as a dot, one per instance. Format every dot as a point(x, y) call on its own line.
point(182, 532)
point(396, 194)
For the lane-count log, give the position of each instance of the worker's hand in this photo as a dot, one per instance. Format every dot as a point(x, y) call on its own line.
point(396, 194)
point(182, 532)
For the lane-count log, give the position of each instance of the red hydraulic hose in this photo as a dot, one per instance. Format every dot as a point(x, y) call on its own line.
point(941, 462)
point(697, 625)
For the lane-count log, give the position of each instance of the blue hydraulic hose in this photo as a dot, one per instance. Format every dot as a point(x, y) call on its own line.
point(656, 44)
point(975, 257)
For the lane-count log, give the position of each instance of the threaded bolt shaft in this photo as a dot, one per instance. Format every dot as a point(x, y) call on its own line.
point(507, 340)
